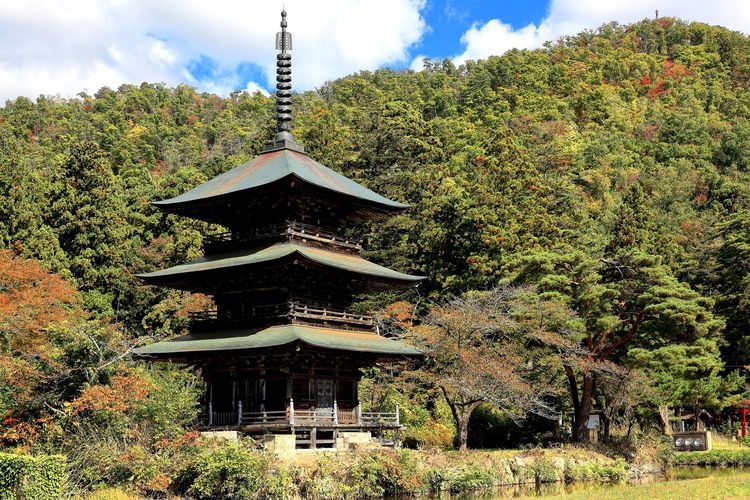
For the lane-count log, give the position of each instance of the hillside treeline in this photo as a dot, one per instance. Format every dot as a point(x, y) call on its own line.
point(607, 171)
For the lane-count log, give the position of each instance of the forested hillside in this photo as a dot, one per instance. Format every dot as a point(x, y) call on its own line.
point(609, 171)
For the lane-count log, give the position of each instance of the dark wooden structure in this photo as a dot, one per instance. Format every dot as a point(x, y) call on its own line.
point(282, 352)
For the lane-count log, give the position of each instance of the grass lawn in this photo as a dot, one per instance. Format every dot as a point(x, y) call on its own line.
point(720, 483)
point(722, 443)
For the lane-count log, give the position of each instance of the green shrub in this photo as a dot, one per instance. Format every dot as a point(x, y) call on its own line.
point(546, 471)
point(111, 494)
point(41, 477)
point(618, 471)
point(436, 479)
point(281, 483)
point(595, 471)
point(325, 479)
point(229, 470)
point(368, 475)
point(665, 452)
point(472, 478)
point(713, 458)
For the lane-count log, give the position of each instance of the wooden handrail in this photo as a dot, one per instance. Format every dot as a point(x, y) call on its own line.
point(312, 416)
point(214, 243)
point(293, 309)
point(305, 311)
point(315, 233)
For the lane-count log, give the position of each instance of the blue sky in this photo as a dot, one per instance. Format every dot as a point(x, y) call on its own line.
point(449, 20)
point(63, 47)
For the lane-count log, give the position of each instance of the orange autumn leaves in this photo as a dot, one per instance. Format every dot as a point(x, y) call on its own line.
point(31, 299)
point(35, 307)
point(122, 394)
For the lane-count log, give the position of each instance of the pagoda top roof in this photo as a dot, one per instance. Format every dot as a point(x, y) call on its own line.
point(272, 166)
point(275, 336)
point(277, 251)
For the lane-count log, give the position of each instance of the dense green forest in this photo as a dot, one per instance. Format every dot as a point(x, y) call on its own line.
point(597, 187)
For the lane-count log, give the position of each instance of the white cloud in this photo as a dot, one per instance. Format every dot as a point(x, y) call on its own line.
point(569, 17)
point(253, 87)
point(417, 63)
point(495, 37)
point(65, 46)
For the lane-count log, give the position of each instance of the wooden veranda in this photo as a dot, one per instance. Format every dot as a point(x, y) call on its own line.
point(309, 423)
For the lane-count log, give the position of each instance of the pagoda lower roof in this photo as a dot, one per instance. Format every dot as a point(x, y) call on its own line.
point(277, 336)
point(273, 253)
point(270, 167)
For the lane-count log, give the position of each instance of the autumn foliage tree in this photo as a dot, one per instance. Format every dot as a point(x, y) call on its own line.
point(49, 347)
point(31, 300)
point(490, 347)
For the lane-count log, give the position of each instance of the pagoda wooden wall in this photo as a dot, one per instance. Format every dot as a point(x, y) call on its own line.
point(270, 385)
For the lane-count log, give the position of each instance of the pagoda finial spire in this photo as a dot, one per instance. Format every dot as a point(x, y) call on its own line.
point(283, 137)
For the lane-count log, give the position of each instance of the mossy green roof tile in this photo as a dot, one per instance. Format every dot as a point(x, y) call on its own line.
point(278, 251)
point(275, 336)
point(273, 166)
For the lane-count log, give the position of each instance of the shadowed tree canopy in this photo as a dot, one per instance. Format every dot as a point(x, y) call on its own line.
point(494, 347)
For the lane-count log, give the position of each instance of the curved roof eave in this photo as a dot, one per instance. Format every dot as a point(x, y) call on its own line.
point(274, 166)
point(278, 251)
point(280, 335)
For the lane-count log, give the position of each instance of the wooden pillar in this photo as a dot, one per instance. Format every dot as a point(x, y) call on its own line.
point(313, 438)
point(234, 391)
point(744, 421)
point(335, 413)
point(210, 404)
point(291, 412)
point(359, 413)
point(239, 413)
point(398, 415)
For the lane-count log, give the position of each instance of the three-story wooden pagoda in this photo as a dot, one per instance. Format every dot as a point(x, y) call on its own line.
point(281, 352)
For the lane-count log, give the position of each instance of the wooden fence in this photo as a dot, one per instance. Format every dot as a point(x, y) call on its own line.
point(312, 417)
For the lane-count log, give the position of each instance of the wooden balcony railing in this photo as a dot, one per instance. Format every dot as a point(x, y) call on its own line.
point(311, 417)
point(301, 311)
point(308, 232)
point(292, 230)
point(292, 311)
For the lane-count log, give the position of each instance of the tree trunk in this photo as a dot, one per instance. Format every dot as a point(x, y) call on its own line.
point(697, 414)
point(461, 413)
point(573, 386)
point(462, 426)
point(584, 408)
point(630, 428)
point(605, 427)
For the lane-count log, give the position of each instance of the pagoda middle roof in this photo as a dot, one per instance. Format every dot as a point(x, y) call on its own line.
point(276, 252)
point(276, 336)
point(272, 166)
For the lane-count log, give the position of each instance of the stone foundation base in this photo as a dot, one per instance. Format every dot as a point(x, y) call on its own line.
point(283, 445)
point(355, 441)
